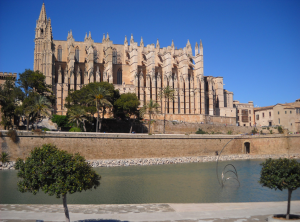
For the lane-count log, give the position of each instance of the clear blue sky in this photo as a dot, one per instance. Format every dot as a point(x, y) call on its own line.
point(254, 45)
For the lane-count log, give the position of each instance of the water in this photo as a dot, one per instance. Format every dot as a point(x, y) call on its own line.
point(180, 183)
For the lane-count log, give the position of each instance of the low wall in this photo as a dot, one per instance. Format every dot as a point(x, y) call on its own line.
point(122, 146)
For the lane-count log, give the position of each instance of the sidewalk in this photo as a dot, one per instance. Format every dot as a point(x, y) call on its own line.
point(213, 212)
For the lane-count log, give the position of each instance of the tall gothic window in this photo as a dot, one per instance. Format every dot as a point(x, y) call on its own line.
point(119, 76)
point(59, 54)
point(95, 55)
point(77, 54)
point(114, 57)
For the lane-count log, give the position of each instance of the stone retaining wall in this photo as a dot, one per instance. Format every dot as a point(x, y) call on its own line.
point(131, 146)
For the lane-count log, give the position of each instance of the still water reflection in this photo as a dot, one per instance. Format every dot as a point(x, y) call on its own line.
point(180, 183)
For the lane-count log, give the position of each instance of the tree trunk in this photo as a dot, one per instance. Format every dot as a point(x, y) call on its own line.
point(84, 126)
point(131, 123)
point(289, 204)
point(77, 123)
point(149, 122)
point(64, 197)
point(27, 120)
point(97, 117)
point(165, 117)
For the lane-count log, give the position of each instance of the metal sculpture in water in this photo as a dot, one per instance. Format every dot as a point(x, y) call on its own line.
point(230, 169)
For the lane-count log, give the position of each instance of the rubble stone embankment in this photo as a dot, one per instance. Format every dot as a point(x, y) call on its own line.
point(168, 160)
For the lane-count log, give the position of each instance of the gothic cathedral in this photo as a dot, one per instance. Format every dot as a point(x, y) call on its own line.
point(139, 69)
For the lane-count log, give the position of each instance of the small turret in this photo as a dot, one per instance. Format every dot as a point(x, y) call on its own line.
point(172, 45)
point(85, 38)
point(107, 37)
point(157, 44)
point(142, 42)
point(103, 39)
point(125, 41)
point(131, 39)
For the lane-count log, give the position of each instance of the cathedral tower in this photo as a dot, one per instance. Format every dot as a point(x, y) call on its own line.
point(43, 55)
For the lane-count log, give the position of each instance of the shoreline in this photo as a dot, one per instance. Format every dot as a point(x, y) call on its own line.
point(171, 160)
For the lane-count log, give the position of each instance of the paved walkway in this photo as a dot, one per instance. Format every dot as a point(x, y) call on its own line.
point(213, 212)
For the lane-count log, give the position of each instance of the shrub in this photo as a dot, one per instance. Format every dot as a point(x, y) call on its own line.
point(268, 128)
point(229, 132)
point(271, 132)
point(4, 157)
point(75, 129)
point(254, 131)
point(280, 130)
point(45, 129)
point(13, 135)
point(200, 131)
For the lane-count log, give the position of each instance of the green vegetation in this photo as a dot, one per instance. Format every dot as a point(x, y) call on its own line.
point(13, 135)
point(281, 174)
point(271, 131)
point(55, 172)
point(75, 129)
point(280, 129)
point(4, 157)
point(45, 129)
point(167, 93)
point(60, 120)
point(254, 131)
point(229, 132)
point(77, 115)
point(151, 108)
point(200, 131)
point(127, 104)
point(268, 128)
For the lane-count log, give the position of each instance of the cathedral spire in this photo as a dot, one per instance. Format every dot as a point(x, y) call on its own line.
point(172, 45)
point(142, 42)
point(196, 49)
point(107, 37)
point(103, 39)
point(188, 44)
point(85, 36)
point(43, 16)
point(157, 44)
point(201, 48)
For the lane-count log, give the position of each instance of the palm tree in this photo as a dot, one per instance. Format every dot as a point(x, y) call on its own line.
point(168, 94)
point(41, 107)
point(151, 107)
point(99, 96)
point(77, 115)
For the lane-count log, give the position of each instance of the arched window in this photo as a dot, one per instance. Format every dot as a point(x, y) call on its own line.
point(77, 54)
point(59, 54)
point(114, 57)
point(119, 76)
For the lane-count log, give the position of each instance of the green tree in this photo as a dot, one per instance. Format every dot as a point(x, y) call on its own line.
point(167, 93)
point(41, 107)
point(9, 97)
point(281, 174)
point(128, 104)
point(77, 115)
point(151, 108)
point(55, 172)
point(32, 84)
point(60, 120)
point(99, 97)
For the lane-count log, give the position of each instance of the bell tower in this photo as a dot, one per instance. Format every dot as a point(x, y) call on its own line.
point(43, 53)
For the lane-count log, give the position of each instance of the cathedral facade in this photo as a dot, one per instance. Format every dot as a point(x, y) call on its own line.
point(141, 69)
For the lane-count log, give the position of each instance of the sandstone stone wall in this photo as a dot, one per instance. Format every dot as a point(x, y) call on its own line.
point(122, 146)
